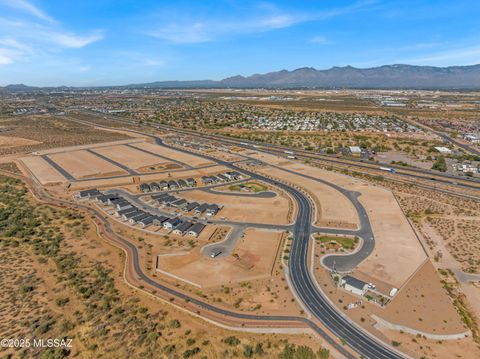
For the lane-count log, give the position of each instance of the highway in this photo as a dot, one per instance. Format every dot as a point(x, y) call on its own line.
point(408, 172)
point(304, 285)
point(411, 174)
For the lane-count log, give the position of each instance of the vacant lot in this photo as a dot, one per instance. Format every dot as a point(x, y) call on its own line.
point(129, 157)
point(252, 259)
point(244, 208)
point(34, 133)
point(186, 158)
point(248, 187)
point(82, 164)
point(42, 170)
point(397, 253)
point(333, 209)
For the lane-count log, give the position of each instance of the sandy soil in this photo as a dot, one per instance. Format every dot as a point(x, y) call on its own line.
point(93, 145)
point(129, 157)
point(423, 297)
point(81, 164)
point(129, 184)
point(387, 157)
point(256, 255)
point(246, 209)
point(191, 160)
point(6, 141)
point(333, 209)
point(424, 348)
point(397, 252)
point(424, 305)
point(40, 168)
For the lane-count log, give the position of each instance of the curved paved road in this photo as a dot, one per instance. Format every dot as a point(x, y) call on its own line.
point(264, 194)
point(132, 249)
point(304, 284)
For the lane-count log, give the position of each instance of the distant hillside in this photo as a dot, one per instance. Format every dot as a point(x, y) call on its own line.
point(383, 77)
point(388, 76)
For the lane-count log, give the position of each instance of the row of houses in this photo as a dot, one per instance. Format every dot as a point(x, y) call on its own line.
point(222, 177)
point(135, 216)
point(167, 185)
point(167, 200)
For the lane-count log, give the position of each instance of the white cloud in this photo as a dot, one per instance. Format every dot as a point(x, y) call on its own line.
point(459, 56)
point(153, 62)
point(26, 37)
point(186, 29)
point(321, 40)
point(73, 41)
point(188, 34)
point(4, 58)
point(29, 8)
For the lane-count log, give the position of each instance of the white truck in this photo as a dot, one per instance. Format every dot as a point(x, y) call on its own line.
point(388, 169)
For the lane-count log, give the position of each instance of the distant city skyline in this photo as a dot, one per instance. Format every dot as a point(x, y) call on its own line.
point(107, 42)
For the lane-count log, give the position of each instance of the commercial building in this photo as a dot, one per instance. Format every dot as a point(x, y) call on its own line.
point(354, 285)
point(443, 150)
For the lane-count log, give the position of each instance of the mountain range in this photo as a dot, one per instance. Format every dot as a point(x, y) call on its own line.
point(382, 77)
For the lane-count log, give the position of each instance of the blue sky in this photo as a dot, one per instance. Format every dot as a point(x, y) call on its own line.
point(108, 42)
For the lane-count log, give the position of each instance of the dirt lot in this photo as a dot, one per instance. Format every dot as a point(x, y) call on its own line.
point(333, 209)
point(42, 170)
point(129, 157)
point(89, 146)
point(246, 209)
point(50, 132)
point(6, 141)
point(186, 158)
point(253, 259)
point(397, 252)
point(83, 164)
point(127, 182)
point(422, 305)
